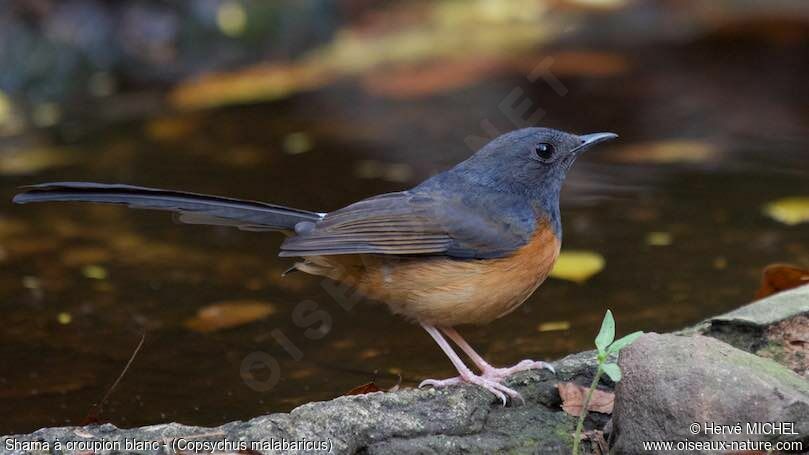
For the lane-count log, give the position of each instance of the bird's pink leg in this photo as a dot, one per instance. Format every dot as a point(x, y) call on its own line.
point(466, 375)
point(487, 369)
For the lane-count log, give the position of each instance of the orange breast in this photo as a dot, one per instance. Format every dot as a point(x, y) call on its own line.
point(444, 291)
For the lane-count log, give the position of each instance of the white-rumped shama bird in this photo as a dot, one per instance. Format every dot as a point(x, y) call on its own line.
point(466, 246)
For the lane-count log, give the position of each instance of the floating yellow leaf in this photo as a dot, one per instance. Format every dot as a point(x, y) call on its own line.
point(577, 266)
point(297, 143)
point(658, 239)
point(553, 326)
point(789, 210)
point(64, 318)
point(94, 272)
point(226, 315)
point(231, 18)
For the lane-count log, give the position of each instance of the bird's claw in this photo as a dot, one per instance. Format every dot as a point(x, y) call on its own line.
point(502, 373)
point(491, 379)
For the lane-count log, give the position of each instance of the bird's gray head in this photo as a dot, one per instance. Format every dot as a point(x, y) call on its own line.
point(529, 161)
point(522, 168)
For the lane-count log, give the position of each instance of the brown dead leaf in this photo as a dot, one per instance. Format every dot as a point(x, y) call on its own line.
point(370, 387)
point(229, 314)
point(780, 277)
point(573, 396)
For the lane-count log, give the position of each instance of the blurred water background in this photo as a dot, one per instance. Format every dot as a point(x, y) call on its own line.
point(315, 104)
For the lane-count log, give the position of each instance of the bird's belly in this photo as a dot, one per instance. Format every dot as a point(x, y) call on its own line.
point(448, 292)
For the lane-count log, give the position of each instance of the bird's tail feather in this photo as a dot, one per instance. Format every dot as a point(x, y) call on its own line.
point(192, 208)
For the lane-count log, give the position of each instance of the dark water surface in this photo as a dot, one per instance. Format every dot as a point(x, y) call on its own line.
point(79, 284)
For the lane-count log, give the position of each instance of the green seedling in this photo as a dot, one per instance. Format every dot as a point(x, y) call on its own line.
point(606, 346)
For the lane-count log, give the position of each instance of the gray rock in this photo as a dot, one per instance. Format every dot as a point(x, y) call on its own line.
point(454, 420)
point(667, 381)
point(770, 310)
point(671, 382)
point(744, 327)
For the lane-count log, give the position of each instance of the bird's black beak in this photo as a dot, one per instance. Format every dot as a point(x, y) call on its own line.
point(589, 140)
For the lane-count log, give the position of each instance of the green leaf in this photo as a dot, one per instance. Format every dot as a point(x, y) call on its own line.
point(612, 371)
point(623, 342)
point(607, 332)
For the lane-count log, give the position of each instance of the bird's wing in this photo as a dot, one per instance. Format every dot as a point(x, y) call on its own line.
point(407, 223)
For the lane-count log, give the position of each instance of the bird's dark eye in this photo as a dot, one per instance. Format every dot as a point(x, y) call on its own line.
point(544, 151)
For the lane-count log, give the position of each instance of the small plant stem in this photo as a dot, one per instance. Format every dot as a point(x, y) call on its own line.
point(584, 406)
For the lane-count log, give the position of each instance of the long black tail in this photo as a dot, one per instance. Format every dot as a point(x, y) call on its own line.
point(192, 208)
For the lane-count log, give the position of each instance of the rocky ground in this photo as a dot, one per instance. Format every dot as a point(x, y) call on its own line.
point(745, 367)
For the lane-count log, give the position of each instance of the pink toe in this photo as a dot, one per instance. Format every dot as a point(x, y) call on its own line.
point(501, 373)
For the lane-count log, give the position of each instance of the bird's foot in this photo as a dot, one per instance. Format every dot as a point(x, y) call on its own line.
point(491, 384)
point(499, 374)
